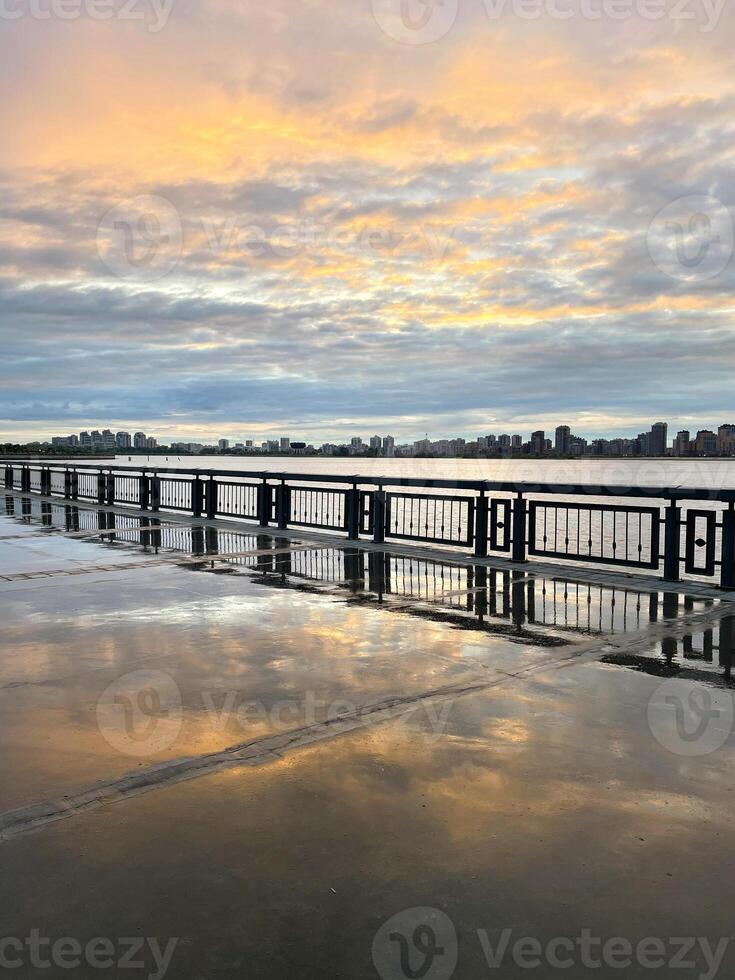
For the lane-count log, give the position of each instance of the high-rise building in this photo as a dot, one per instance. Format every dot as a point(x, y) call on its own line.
point(504, 441)
point(85, 440)
point(224, 445)
point(681, 443)
point(562, 439)
point(726, 439)
point(538, 441)
point(389, 446)
point(139, 440)
point(376, 444)
point(706, 442)
point(96, 439)
point(516, 442)
point(659, 439)
point(150, 442)
point(285, 443)
point(123, 440)
point(108, 439)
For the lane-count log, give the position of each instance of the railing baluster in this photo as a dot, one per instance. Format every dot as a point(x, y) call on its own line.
point(727, 571)
point(672, 542)
point(519, 529)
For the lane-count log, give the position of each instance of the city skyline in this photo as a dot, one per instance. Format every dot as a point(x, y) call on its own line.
point(211, 434)
point(656, 441)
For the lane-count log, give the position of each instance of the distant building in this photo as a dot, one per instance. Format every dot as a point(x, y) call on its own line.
point(682, 443)
point(389, 446)
point(562, 439)
point(706, 443)
point(538, 441)
point(123, 440)
point(726, 440)
point(85, 440)
point(151, 443)
point(376, 444)
point(659, 439)
point(223, 445)
point(516, 442)
point(139, 440)
point(108, 439)
point(64, 442)
point(285, 444)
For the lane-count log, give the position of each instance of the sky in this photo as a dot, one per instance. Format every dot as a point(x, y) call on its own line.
point(324, 218)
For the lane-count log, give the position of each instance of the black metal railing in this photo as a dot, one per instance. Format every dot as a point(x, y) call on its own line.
point(673, 530)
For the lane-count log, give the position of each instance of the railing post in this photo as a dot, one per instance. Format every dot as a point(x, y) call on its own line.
point(155, 487)
point(110, 488)
point(265, 503)
point(67, 484)
point(283, 505)
point(672, 542)
point(519, 529)
point(25, 479)
point(101, 487)
point(379, 516)
point(481, 508)
point(74, 485)
point(352, 512)
point(45, 487)
point(8, 477)
point(211, 498)
point(197, 496)
point(144, 492)
point(727, 556)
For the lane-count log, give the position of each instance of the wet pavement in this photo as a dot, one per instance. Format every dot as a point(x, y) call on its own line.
point(273, 756)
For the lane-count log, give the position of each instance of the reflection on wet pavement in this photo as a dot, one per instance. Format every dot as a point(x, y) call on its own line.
point(268, 746)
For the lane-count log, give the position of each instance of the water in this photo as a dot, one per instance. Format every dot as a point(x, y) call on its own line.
point(707, 473)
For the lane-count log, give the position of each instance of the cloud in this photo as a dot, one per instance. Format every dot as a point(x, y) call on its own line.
point(425, 237)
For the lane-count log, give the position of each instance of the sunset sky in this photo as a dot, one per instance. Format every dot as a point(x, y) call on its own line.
point(300, 216)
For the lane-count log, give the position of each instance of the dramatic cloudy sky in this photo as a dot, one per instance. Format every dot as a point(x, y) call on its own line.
point(327, 217)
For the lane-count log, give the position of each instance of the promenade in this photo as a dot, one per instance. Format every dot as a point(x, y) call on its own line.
point(251, 748)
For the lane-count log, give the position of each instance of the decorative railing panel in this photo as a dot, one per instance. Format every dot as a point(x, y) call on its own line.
point(87, 485)
point(609, 534)
point(237, 500)
point(318, 508)
point(430, 518)
point(127, 489)
point(500, 524)
point(175, 494)
point(701, 541)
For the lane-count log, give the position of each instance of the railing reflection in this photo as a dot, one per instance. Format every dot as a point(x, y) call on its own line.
point(472, 594)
